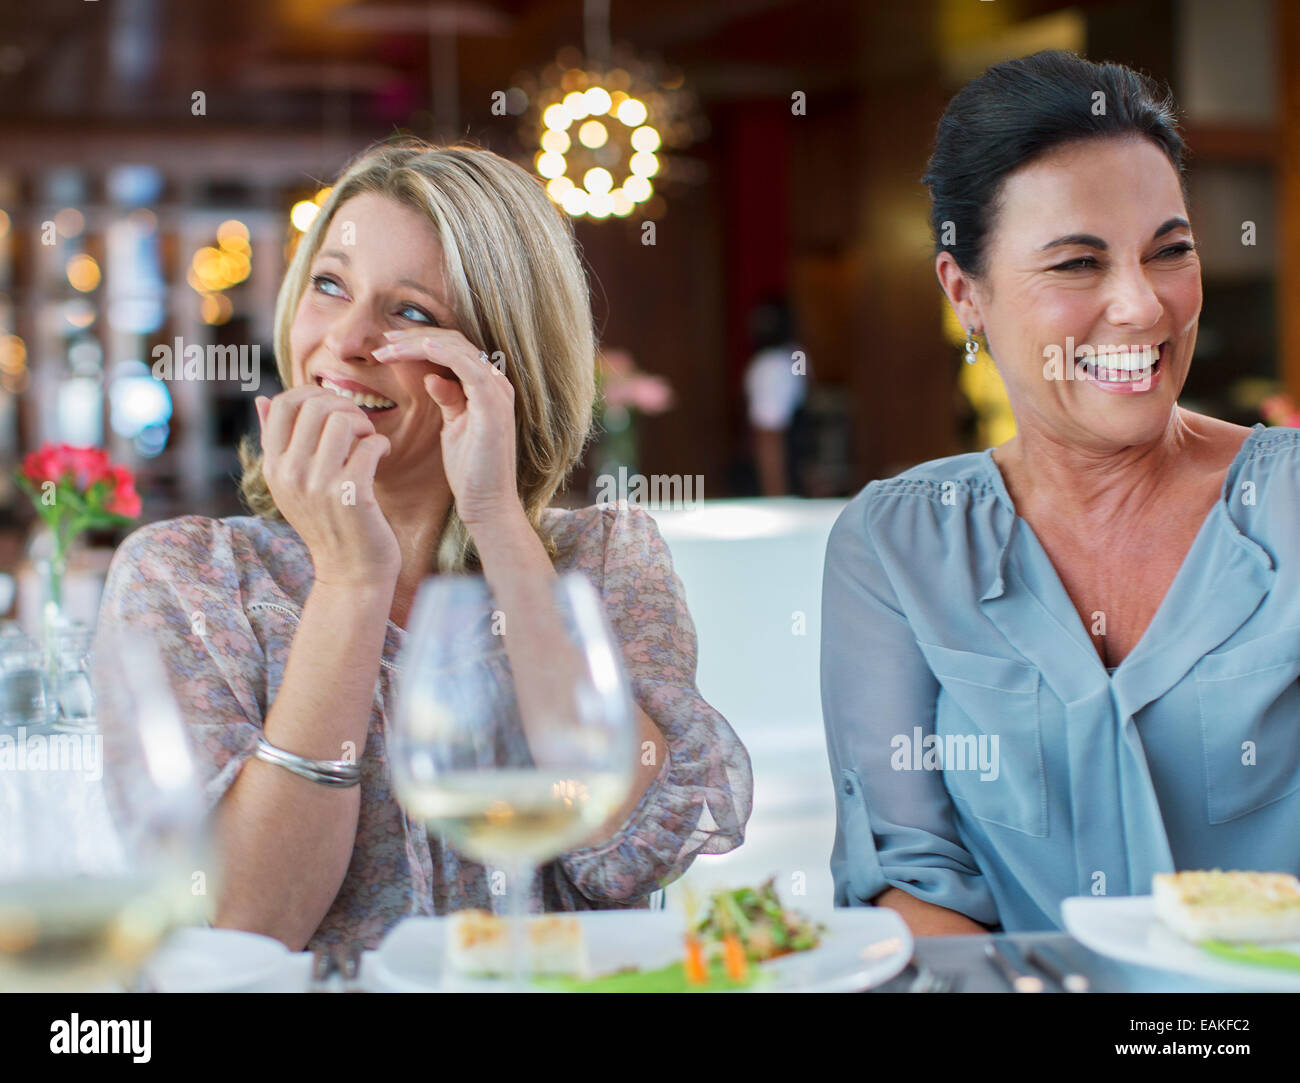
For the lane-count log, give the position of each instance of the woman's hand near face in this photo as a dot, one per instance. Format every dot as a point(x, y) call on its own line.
point(478, 421)
point(314, 444)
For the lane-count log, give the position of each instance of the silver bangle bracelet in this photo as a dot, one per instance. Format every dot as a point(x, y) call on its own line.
point(326, 772)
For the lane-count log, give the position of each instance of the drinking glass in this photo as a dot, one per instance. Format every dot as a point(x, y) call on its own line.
point(23, 686)
point(72, 684)
point(103, 834)
point(514, 736)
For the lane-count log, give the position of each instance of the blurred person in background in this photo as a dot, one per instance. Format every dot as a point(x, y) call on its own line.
point(776, 389)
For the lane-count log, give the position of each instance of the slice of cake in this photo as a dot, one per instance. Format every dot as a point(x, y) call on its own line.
point(479, 943)
point(1231, 906)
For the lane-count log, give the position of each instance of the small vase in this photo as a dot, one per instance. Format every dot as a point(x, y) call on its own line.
point(50, 559)
point(64, 642)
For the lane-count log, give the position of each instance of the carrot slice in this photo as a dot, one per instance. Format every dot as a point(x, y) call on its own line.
point(697, 973)
point(733, 954)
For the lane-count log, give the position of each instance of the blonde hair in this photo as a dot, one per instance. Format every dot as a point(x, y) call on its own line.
point(516, 285)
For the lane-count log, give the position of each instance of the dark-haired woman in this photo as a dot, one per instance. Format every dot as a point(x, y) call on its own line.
point(1069, 662)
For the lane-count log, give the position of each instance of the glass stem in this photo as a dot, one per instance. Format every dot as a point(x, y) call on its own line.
point(519, 879)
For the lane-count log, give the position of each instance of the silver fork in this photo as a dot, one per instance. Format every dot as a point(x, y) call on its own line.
point(927, 981)
point(347, 961)
point(322, 966)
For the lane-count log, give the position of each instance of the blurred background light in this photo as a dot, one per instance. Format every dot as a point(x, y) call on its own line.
point(303, 214)
point(83, 273)
point(136, 400)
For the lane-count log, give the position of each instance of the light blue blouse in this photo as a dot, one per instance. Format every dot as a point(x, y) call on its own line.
point(985, 760)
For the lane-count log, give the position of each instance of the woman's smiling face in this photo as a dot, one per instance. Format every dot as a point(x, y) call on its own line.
point(1090, 248)
point(379, 268)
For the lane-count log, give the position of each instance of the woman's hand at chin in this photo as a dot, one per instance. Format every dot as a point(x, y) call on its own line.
point(319, 456)
point(477, 403)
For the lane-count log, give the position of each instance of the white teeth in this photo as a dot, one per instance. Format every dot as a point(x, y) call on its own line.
point(359, 397)
point(1118, 363)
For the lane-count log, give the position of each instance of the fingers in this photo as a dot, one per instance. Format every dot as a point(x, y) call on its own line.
point(446, 349)
point(447, 394)
point(279, 414)
point(364, 460)
point(467, 363)
point(311, 417)
point(339, 435)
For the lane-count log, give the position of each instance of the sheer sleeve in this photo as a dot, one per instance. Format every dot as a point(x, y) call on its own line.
point(893, 828)
point(176, 583)
point(702, 797)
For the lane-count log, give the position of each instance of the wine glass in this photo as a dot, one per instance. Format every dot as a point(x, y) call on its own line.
point(103, 834)
point(514, 736)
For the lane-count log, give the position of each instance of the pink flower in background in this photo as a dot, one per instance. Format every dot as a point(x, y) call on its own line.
point(1280, 410)
point(626, 385)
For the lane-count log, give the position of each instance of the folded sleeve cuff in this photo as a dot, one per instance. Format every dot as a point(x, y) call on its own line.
point(871, 858)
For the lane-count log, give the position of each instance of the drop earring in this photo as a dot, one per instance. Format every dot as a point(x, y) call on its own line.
point(972, 347)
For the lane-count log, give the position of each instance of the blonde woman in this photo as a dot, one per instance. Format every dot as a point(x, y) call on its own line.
point(423, 266)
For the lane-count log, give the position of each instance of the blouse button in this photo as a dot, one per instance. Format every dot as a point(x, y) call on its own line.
point(848, 786)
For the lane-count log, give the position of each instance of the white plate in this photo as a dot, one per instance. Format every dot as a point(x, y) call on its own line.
point(862, 947)
point(200, 960)
point(1126, 928)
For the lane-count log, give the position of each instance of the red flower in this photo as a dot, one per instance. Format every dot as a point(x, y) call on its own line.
point(43, 465)
point(122, 499)
point(87, 465)
point(104, 489)
point(55, 462)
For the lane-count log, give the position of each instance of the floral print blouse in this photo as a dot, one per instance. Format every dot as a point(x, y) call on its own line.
point(249, 579)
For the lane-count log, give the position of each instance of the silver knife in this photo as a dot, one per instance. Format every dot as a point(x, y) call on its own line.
point(1016, 977)
point(1050, 962)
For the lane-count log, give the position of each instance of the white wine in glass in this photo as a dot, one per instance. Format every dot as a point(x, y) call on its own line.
point(514, 751)
point(98, 864)
point(80, 933)
point(524, 814)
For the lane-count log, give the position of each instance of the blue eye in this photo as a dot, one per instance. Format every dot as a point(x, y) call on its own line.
point(420, 315)
point(331, 287)
point(319, 282)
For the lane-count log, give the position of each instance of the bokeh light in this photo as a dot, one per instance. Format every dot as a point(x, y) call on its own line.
point(598, 181)
point(303, 214)
point(632, 112)
point(215, 308)
point(643, 164)
point(555, 142)
point(645, 139)
point(556, 118)
point(69, 222)
point(83, 273)
point(593, 134)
